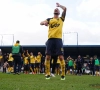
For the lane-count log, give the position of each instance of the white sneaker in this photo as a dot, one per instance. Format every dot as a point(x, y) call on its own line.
point(52, 75)
point(31, 73)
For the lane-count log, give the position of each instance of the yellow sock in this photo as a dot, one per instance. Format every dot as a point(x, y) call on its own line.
point(8, 69)
point(45, 70)
point(63, 68)
point(58, 71)
point(48, 67)
point(31, 69)
point(39, 70)
point(34, 70)
point(96, 73)
point(11, 69)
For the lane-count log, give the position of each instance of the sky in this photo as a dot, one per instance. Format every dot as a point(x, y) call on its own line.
point(22, 18)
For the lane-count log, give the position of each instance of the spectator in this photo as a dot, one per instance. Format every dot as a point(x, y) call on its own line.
point(70, 65)
point(97, 63)
point(91, 66)
point(79, 64)
point(67, 67)
point(74, 67)
point(1, 57)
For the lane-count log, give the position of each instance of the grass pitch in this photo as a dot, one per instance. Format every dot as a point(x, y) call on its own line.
point(38, 82)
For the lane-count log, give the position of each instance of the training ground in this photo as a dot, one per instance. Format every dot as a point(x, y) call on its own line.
point(38, 82)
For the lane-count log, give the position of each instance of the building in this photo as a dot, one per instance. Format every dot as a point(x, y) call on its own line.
point(72, 50)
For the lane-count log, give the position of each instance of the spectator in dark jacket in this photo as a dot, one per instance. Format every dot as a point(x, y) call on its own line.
point(91, 66)
point(79, 64)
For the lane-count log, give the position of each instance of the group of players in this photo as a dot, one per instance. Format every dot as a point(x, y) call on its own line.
point(30, 63)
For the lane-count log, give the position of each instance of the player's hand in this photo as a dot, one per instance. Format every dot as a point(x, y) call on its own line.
point(57, 4)
point(45, 23)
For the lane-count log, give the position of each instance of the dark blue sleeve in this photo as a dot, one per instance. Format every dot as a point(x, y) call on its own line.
point(48, 19)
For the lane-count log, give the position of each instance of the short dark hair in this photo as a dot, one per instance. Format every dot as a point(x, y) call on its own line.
point(17, 41)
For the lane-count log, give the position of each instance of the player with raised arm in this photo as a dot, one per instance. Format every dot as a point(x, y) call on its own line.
point(54, 44)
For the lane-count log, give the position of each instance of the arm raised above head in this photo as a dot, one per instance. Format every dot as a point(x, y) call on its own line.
point(64, 10)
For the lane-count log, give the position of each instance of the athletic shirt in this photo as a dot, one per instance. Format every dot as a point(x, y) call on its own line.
point(74, 65)
point(16, 49)
point(70, 63)
point(38, 58)
point(26, 61)
point(96, 62)
point(1, 57)
point(32, 59)
point(52, 61)
point(55, 27)
point(10, 57)
point(58, 61)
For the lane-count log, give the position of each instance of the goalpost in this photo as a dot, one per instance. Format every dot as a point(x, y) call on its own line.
point(6, 39)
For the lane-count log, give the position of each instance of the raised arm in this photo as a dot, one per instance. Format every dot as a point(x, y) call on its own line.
point(64, 10)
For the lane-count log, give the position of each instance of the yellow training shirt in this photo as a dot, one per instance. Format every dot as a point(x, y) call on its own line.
point(32, 59)
point(26, 61)
point(55, 27)
point(38, 58)
point(1, 57)
point(52, 61)
point(58, 61)
point(10, 57)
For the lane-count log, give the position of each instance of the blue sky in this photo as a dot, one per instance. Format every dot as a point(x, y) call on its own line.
point(22, 18)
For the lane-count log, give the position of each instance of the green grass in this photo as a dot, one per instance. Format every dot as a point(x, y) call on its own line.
point(38, 82)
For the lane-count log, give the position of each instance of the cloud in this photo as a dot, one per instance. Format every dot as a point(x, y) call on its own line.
point(88, 32)
point(89, 8)
point(24, 21)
